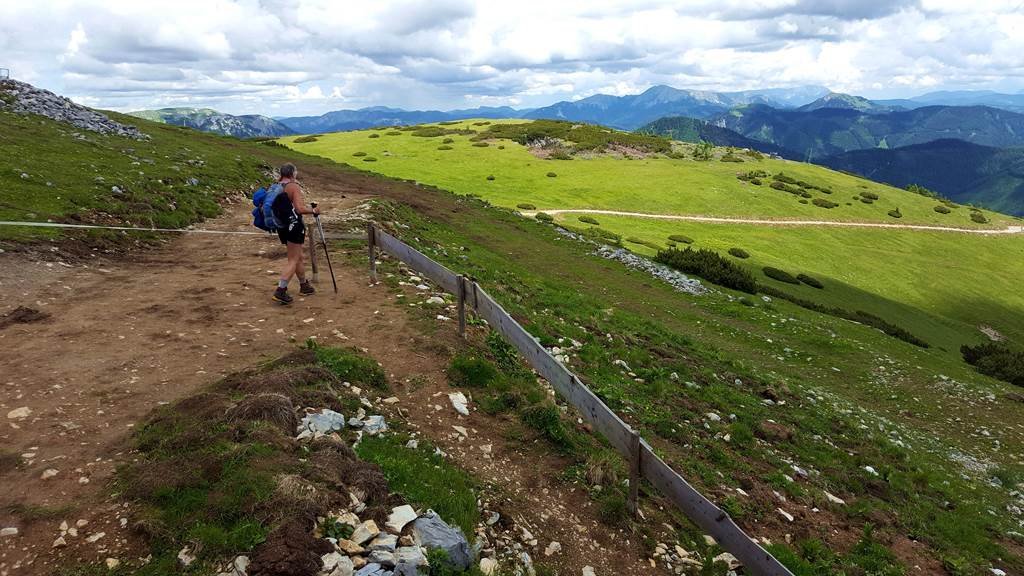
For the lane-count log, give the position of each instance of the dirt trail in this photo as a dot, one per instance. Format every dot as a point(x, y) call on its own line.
point(770, 222)
point(125, 336)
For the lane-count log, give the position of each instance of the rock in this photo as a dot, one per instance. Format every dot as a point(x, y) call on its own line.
point(997, 572)
point(431, 531)
point(27, 99)
point(399, 517)
point(435, 300)
point(385, 542)
point(553, 548)
point(382, 557)
point(19, 413)
point(784, 514)
point(408, 560)
point(674, 278)
point(713, 417)
point(185, 556)
point(349, 547)
point(330, 560)
point(370, 569)
point(8, 531)
point(323, 422)
point(729, 560)
point(49, 473)
point(365, 532)
point(589, 571)
point(527, 562)
point(834, 499)
point(344, 567)
point(459, 402)
point(112, 563)
point(374, 425)
point(871, 470)
point(60, 542)
point(355, 423)
point(488, 566)
point(241, 565)
point(412, 444)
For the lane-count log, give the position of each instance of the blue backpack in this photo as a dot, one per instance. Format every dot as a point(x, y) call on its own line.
point(263, 213)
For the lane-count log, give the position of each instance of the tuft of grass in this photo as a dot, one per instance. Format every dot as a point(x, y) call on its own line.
point(739, 253)
point(359, 154)
point(350, 365)
point(526, 206)
point(467, 370)
point(589, 220)
point(681, 239)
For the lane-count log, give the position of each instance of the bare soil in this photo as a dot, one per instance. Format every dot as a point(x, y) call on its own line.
point(127, 334)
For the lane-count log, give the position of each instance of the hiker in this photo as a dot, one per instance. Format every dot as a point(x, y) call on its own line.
point(288, 210)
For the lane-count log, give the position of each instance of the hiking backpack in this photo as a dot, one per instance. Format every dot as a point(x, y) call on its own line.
point(263, 213)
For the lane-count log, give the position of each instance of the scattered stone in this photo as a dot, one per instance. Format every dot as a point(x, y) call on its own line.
point(459, 402)
point(408, 560)
point(19, 413)
point(997, 572)
point(374, 425)
point(435, 300)
point(871, 470)
point(365, 532)
point(27, 99)
point(676, 279)
point(382, 557)
point(323, 422)
point(8, 531)
point(385, 542)
point(553, 548)
point(784, 514)
point(370, 569)
point(112, 563)
point(49, 473)
point(834, 499)
point(431, 531)
point(729, 560)
point(60, 542)
point(185, 556)
point(589, 571)
point(349, 547)
point(488, 566)
point(400, 516)
point(713, 417)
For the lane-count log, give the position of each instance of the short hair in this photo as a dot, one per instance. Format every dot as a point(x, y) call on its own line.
point(287, 171)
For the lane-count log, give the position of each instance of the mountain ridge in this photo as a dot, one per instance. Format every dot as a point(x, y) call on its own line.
point(210, 120)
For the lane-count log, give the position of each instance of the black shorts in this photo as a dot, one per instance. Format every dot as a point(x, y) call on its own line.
point(296, 234)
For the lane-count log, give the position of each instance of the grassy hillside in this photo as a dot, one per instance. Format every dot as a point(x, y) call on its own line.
point(940, 286)
point(176, 178)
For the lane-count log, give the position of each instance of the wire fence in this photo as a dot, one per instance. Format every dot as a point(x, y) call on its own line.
point(642, 460)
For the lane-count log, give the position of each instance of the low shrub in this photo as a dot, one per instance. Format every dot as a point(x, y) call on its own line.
point(869, 195)
point(447, 140)
point(804, 201)
point(589, 220)
point(996, 360)
point(544, 217)
point(525, 206)
point(481, 144)
point(470, 371)
point(711, 266)
point(444, 147)
point(369, 159)
point(435, 131)
point(560, 154)
point(739, 253)
point(394, 133)
point(374, 136)
point(942, 209)
point(866, 200)
point(490, 176)
point(304, 139)
point(979, 218)
point(643, 242)
point(810, 281)
point(359, 154)
point(754, 154)
point(731, 158)
point(552, 175)
point(681, 239)
point(603, 236)
point(756, 181)
point(822, 203)
point(780, 275)
point(781, 177)
point(895, 213)
point(501, 147)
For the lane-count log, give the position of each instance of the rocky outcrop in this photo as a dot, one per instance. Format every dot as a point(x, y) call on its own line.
point(24, 98)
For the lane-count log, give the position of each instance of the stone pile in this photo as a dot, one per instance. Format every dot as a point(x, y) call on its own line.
point(23, 98)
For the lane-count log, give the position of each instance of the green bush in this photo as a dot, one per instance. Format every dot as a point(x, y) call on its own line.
point(546, 418)
point(435, 131)
point(739, 253)
point(756, 181)
point(804, 201)
point(895, 213)
point(996, 360)
point(369, 159)
point(359, 154)
point(979, 218)
point(304, 139)
point(525, 206)
point(394, 133)
point(447, 140)
point(866, 200)
point(643, 242)
point(709, 265)
point(560, 154)
point(444, 147)
point(869, 195)
point(552, 175)
point(374, 136)
point(490, 176)
point(810, 281)
point(349, 365)
point(780, 275)
point(681, 239)
point(731, 158)
point(821, 202)
point(781, 177)
point(481, 144)
point(589, 220)
point(942, 209)
point(578, 136)
point(543, 217)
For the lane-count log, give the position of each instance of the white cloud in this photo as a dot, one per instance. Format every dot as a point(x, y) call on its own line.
point(310, 56)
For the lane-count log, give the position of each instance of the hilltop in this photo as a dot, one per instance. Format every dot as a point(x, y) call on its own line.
point(694, 130)
point(208, 120)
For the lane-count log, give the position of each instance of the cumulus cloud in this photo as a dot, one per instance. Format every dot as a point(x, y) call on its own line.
point(310, 56)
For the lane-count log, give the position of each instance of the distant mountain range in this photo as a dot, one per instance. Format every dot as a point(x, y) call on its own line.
point(828, 131)
point(632, 111)
point(207, 120)
point(961, 171)
point(382, 116)
point(695, 130)
point(1011, 102)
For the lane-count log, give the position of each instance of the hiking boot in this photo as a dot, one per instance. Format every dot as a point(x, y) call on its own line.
point(281, 295)
point(306, 289)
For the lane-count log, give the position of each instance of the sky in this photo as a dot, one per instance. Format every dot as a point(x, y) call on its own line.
point(303, 57)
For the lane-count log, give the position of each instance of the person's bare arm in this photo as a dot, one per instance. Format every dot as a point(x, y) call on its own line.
point(294, 192)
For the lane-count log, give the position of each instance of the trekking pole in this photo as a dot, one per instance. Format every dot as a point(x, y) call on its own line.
point(327, 254)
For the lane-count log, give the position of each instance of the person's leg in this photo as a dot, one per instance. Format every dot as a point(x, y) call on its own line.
point(300, 264)
point(281, 295)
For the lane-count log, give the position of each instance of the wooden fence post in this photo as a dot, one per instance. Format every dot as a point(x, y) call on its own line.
point(633, 503)
point(371, 241)
point(462, 305)
point(311, 235)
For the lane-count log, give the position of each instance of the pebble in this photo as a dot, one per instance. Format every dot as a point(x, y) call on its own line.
point(834, 499)
point(488, 566)
point(19, 413)
point(589, 571)
point(49, 473)
point(112, 563)
point(459, 402)
point(553, 548)
point(94, 537)
point(59, 542)
point(399, 518)
point(9, 531)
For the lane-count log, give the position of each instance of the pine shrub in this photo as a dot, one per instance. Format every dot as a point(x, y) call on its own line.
point(711, 266)
point(589, 220)
point(822, 203)
point(739, 253)
point(979, 218)
point(810, 281)
point(544, 217)
point(942, 209)
point(681, 239)
point(780, 275)
point(895, 213)
point(525, 206)
point(359, 154)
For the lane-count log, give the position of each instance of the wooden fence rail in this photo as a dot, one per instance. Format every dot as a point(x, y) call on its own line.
point(642, 460)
